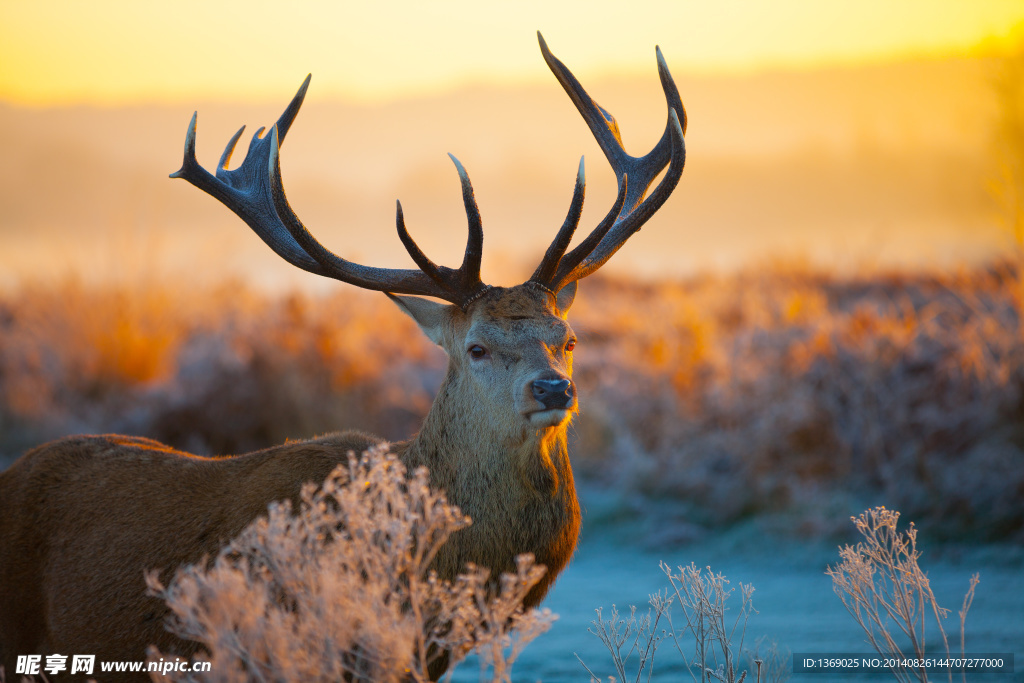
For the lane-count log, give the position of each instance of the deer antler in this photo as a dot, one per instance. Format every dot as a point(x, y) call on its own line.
point(634, 175)
point(254, 191)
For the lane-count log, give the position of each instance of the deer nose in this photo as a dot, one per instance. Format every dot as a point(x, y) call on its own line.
point(553, 393)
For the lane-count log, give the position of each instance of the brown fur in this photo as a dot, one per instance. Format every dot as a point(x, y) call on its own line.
point(83, 517)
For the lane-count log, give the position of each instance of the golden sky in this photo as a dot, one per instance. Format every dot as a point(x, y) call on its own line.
point(127, 51)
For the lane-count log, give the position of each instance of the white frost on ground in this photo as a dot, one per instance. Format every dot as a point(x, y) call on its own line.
point(793, 596)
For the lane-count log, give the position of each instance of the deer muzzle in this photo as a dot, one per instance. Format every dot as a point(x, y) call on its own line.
point(554, 393)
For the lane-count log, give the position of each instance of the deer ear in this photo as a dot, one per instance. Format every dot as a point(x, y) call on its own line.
point(429, 315)
point(565, 297)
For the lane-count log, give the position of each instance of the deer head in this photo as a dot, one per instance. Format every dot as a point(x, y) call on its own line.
point(511, 346)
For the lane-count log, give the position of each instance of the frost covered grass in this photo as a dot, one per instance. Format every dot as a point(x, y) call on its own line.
point(774, 390)
point(887, 593)
point(709, 641)
point(341, 589)
point(786, 389)
point(879, 581)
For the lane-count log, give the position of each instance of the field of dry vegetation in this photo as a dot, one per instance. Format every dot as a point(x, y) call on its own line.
point(777, 391)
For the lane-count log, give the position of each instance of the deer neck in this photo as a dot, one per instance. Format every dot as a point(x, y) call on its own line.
point(516, 485)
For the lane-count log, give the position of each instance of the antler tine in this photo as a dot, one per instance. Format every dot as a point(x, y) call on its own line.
point(431, 269)
point(254, 191)
point(631, 209)
point(470, 269)
point(225, 157)
point(568, 267)
point(284, 122)
point(668, 84)
point(546, 270)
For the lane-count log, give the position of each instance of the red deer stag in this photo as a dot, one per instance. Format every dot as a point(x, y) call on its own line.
point(83, 517)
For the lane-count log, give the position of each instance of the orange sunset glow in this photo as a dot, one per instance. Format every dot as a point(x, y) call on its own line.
point(121, 52)
point(846, 133)
point(843, 133)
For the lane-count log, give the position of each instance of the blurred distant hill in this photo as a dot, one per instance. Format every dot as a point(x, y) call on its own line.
point(884, 164)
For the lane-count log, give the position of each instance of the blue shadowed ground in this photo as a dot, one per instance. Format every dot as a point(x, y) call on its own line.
point(796, 605)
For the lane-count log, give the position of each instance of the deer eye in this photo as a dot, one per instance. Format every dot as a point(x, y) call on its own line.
point(478, 352)
point(570, 345)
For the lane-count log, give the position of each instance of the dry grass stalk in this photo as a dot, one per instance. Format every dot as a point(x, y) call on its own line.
point(638, 634)
point(702, 598)
point(882, 586)
point(716, 651)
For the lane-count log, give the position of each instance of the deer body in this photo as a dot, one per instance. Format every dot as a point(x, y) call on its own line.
point(82, 518)
point(69, 580)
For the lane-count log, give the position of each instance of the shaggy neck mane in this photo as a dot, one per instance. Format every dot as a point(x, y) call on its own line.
point(515, 484)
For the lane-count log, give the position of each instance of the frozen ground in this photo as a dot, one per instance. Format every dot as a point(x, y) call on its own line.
point(793, 596)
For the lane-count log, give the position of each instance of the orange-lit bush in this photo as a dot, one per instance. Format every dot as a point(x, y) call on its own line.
point(810, 388)
point(770, 390)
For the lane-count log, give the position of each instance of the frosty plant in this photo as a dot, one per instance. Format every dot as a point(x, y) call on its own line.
point(638, 635)
point(702, 600)
point(884, 589)
point(342, 589)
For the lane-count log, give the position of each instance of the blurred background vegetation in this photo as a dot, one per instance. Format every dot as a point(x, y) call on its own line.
point(772, 390)
point(826, 317)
